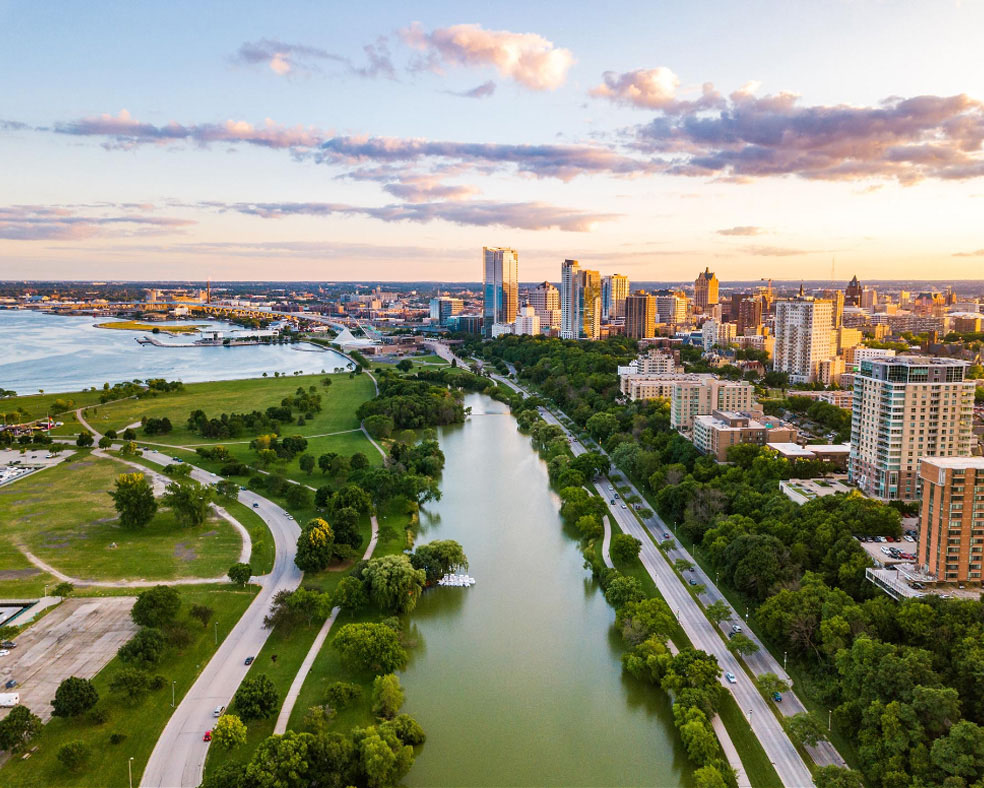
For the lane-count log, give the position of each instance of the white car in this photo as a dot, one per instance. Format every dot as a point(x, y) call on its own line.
point(731, 678)
point(4, 652)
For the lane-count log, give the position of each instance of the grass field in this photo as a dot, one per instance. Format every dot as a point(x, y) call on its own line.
point(65, 517)
point(140, 722)
point(338, 405)
point(38, 405)
point(136, 325)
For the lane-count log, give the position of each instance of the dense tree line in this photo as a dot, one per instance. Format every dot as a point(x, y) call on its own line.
point(305, 402)
point(412, 404)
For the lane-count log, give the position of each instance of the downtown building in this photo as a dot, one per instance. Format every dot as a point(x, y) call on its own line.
point(500, 287)
point(640, 315)
point(705, 290)
point(614, 291)
point(545, 300)
point(803, 334)
point(671, 307)
point(444, 307)
point(904, 409)
point(580, 302)
point(951, 521)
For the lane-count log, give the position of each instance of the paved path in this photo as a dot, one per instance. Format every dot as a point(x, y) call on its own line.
point(606, 542)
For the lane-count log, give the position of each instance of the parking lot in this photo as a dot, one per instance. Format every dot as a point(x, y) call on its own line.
point(14, 465)
point(76, 639)
point(874, 549)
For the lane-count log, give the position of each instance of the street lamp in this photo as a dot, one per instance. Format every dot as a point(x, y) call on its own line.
point(46, 591)
point(784, 655)
point(129, 770)
point(829, 717)
point(678, 614)
point(746, 613)
point(749, 716)
point(173, 682)
point(216, 633)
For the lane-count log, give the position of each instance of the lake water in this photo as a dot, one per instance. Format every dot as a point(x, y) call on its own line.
point(517, 680)
point(67, 353)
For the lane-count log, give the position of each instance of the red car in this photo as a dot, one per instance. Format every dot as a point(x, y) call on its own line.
point(207, 736)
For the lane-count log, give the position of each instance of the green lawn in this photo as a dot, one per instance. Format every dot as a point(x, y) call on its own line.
point(141, 721)
point(38, 405)
point(65, 517)
point(338, 405)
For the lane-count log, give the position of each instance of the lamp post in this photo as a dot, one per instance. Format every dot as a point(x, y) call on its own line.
point(784, 655)
point(46, 591)
point(749, 716)
point(173, 682)
point(216, 633)
point(746, 614)
point(129, 770)
point(830, 715)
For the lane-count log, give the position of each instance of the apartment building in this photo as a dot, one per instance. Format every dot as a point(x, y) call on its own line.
point(904, 409)
point(951, 524)
point(803, 328)
point(714, 433)
point(701, 395)
point(640, 315)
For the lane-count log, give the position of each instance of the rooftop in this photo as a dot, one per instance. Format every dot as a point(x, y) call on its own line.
point(955, 462)
point(790, 449)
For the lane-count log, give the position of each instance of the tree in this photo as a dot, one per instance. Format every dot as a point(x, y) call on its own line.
point(438, 558)
point(961, 752)
point(229, 731)
point(129, 435)
point(134, 500)
point(298, 496)
point(307, 463)
point(282, 762)
point(227, 489)
point(393, 583)
point(73, 755)
point(682, 565)
point(340, 694)
point(379, 426)
point(292, 608)
point(63, 589)
point(104, 442)
point(769, 683)
point(315, 546)
point(145, 648)
point(240, 573)
point(709, 777)
point(836, 777)
point(804, 728)
point(256, 698)
point(742, 644)
point(325, 461)
point(641, 620)
point(202, 612)
point(73, 697)
point(188, 501)
point(358, 461)
point(350, 594)
point(131, 682)
point(624, 548)
point(84, 440)
point(156, 607)
point(718, 611)
point(404, 365)
point(621, 590)
point(18, 728)
point(369, 646)
point(387, 695)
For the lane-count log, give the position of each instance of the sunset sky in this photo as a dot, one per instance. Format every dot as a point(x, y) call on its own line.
point(378, 140)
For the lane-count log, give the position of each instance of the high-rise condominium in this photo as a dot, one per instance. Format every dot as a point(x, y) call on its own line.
point(580, 302)
point(705, 290)
point(671, 307)
point(803, 329)
point(640, 315)
point(748, 314)
point(951, 525)
point(545, 300)
point(501, 292)
point(614, 290)
point(905, 408)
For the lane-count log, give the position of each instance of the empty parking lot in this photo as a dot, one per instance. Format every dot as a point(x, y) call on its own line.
point(76, 639)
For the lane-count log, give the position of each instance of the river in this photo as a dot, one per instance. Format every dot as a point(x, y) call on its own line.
point(66, 353)
point(517, 680)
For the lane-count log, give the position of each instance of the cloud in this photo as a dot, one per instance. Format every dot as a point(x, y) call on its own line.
point(742, 230)
point(481, 213)
point(16, 125)
point(64, 223)
point(283, 58)
point(484, 90)
point(653, 88)
point(775, 251)
point(527, 58)
point(975, 253)
point(427, 188)
point(750, 137)
point(126, 132)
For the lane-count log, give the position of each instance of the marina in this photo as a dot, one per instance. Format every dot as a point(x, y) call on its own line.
point(461, 581)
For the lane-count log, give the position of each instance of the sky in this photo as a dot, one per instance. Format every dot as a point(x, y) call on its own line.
point(392, 141)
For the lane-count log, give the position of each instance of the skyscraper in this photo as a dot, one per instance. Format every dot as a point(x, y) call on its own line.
point(589, 303)
point(852, 297)
point(569, 324)
point(671, 307)
point(545, 300)
point(580, 302)
point(705, 290)
point(950, 531)
point(614, 290)
point(640, 315)
point(748, 315)
point(501, 291)
point(905, 408)
point(803, 329)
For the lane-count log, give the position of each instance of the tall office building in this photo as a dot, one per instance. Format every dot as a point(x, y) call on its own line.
point(443, 307)
point(501, 292)
point(580, 302)
point(905, 408)
point(951, 524)
point(853, 295)
point(671, 307)
point(545, 300)
point(589, 303)
point(569, 325)
point(614, 291)
point(803, 329)
point(640, 315)
point(705, 290)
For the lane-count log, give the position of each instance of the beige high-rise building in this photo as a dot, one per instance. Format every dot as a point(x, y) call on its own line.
point(545, 300)
point(640, 315)
point(702, 395)
point(904, 409)
point(671, 308)
point(705, 290)
point(500, 293)
point(802, 328)
point(580, 302)
point(614, 291)
point(951, 523)
point(589, 303)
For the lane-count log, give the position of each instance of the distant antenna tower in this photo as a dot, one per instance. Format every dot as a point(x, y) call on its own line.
point(833, 262)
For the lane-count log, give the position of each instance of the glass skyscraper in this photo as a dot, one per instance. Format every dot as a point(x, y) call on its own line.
point(501, 286)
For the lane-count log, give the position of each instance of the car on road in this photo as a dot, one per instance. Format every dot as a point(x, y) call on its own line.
point(693, 582)
point(218, 711)
point(616, 495)
point(4, 652)
point(624, 506)
point(731, 677)
point(8, 644)
point(666, 535)
point(207, 736)
point(777, 697)
point(290, 517)
point(735, 628)
point(248, 660)
point(256, 505)
point(177, 459)
point(612, 500)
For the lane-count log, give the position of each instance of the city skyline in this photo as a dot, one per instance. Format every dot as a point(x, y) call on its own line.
point(757, 142)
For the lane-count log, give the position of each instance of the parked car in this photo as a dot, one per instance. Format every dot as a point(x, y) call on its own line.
point(8, 644)
point(731, 635)
point(735, 628)
point(777, 697)
point(11, 683)
point(731, 677)
point(177, 459)
point(4, 652)
point(916, 584)
point(248, 660)
point(207, 736)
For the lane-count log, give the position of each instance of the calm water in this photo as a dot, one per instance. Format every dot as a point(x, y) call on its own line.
point(57, 353)
point(517, 680)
